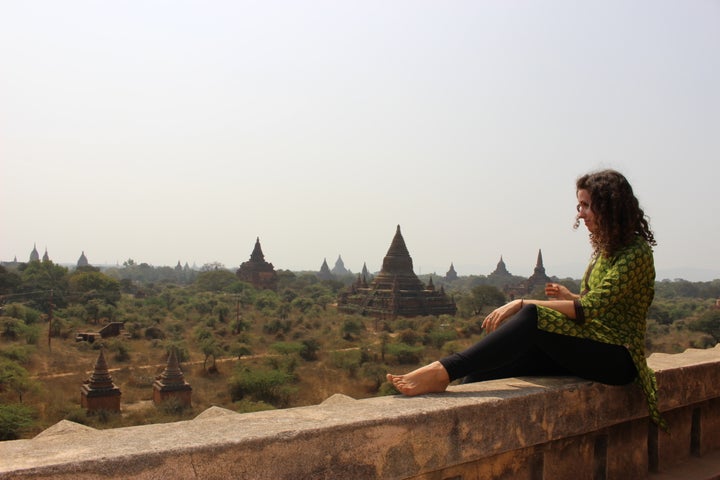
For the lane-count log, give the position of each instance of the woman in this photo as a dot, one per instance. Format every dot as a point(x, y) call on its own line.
point(598, 335)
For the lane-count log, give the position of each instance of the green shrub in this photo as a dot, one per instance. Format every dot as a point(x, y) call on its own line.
point(262, 385)
point(405, 354)
point(18, 353)
point(438, 338)
point(348, 360)
point(14, 419)
point(287, 348)
point(172, 406)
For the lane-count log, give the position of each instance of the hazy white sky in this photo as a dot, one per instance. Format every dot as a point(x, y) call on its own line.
point(168, 131)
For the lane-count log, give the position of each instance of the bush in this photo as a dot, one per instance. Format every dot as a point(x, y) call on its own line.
point(287, 348)
point(348, 360)
point(154, 333)
point(405, 354)
point(262, 385)
point(18, 353)
point(121, 350)
point(350, 328)
point(14, 418)
point(310, 349)
point(78, 415)
point(408, 336)
point(172, 406)
point(438, 338)
point(240, 350)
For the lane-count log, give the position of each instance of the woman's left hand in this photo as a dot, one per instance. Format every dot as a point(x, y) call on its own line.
point(500, 314)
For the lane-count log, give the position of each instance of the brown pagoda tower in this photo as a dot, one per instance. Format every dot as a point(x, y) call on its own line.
point(171, 383)
point(99, 392)
point(395, 290)
point(257, 271)
point(539, 277)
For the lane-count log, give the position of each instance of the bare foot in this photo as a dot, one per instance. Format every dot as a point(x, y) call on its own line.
point(432, 378)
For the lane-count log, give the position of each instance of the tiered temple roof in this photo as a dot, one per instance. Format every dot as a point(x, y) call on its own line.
point(171, 383)
point(257, 271)
point(501, 270)
point(395, 290)
point(99, 392)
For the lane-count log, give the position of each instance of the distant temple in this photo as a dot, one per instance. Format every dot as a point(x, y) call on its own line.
point(501, 270)
point(82, 261)
point(257, 271)
point(325, 273)
point(339, 269)
point(34, 255)
point(395, 290)
point(451, 274)
point(365, 272)
point(538, 278)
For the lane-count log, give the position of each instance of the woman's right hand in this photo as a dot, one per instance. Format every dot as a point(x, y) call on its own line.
point(558, 292)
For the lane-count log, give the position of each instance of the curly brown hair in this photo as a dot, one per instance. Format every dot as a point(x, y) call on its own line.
point(617, 212)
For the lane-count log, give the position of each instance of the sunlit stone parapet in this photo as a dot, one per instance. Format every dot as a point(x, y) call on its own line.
point(533, 427)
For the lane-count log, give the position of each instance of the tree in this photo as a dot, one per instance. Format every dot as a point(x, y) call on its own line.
point(9, 280)
point(15, 379)
point(13, 419)
point(708, 322)
point(47, 282)
point(350, 328)
point(210, 348)
point(215, 280)
point(310, 349)
point(485, 296)
point(86, 285)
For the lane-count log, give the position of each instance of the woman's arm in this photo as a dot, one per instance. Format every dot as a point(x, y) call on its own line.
point(559, 292)
point(500, 314)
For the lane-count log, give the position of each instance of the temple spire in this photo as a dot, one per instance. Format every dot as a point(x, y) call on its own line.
point(398, 247)
point(257, 254)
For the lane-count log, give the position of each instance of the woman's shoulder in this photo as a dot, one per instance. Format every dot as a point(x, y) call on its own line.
point(638, 244)
point(638, 248)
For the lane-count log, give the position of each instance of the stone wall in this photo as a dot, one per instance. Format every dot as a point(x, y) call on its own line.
point(520, 428)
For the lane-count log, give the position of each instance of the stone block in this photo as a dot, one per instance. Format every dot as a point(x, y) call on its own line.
point(571, 458)
point(673, 447)
point(709, 434)
point(627, 452)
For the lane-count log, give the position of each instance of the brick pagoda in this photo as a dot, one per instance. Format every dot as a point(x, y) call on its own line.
point(395, 290)
point(99, 392)
point(171, 383)
point(257, 271)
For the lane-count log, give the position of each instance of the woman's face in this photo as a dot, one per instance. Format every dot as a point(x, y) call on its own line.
point(585, 212)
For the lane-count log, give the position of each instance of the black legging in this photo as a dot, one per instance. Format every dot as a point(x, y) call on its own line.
point(519, 348)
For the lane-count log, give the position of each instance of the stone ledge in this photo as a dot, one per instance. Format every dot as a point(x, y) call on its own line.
point(384, 437)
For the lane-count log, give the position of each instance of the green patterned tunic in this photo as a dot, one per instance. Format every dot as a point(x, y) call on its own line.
point(617, 293)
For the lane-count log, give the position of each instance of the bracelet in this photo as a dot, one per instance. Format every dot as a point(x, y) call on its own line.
point(522, 303)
